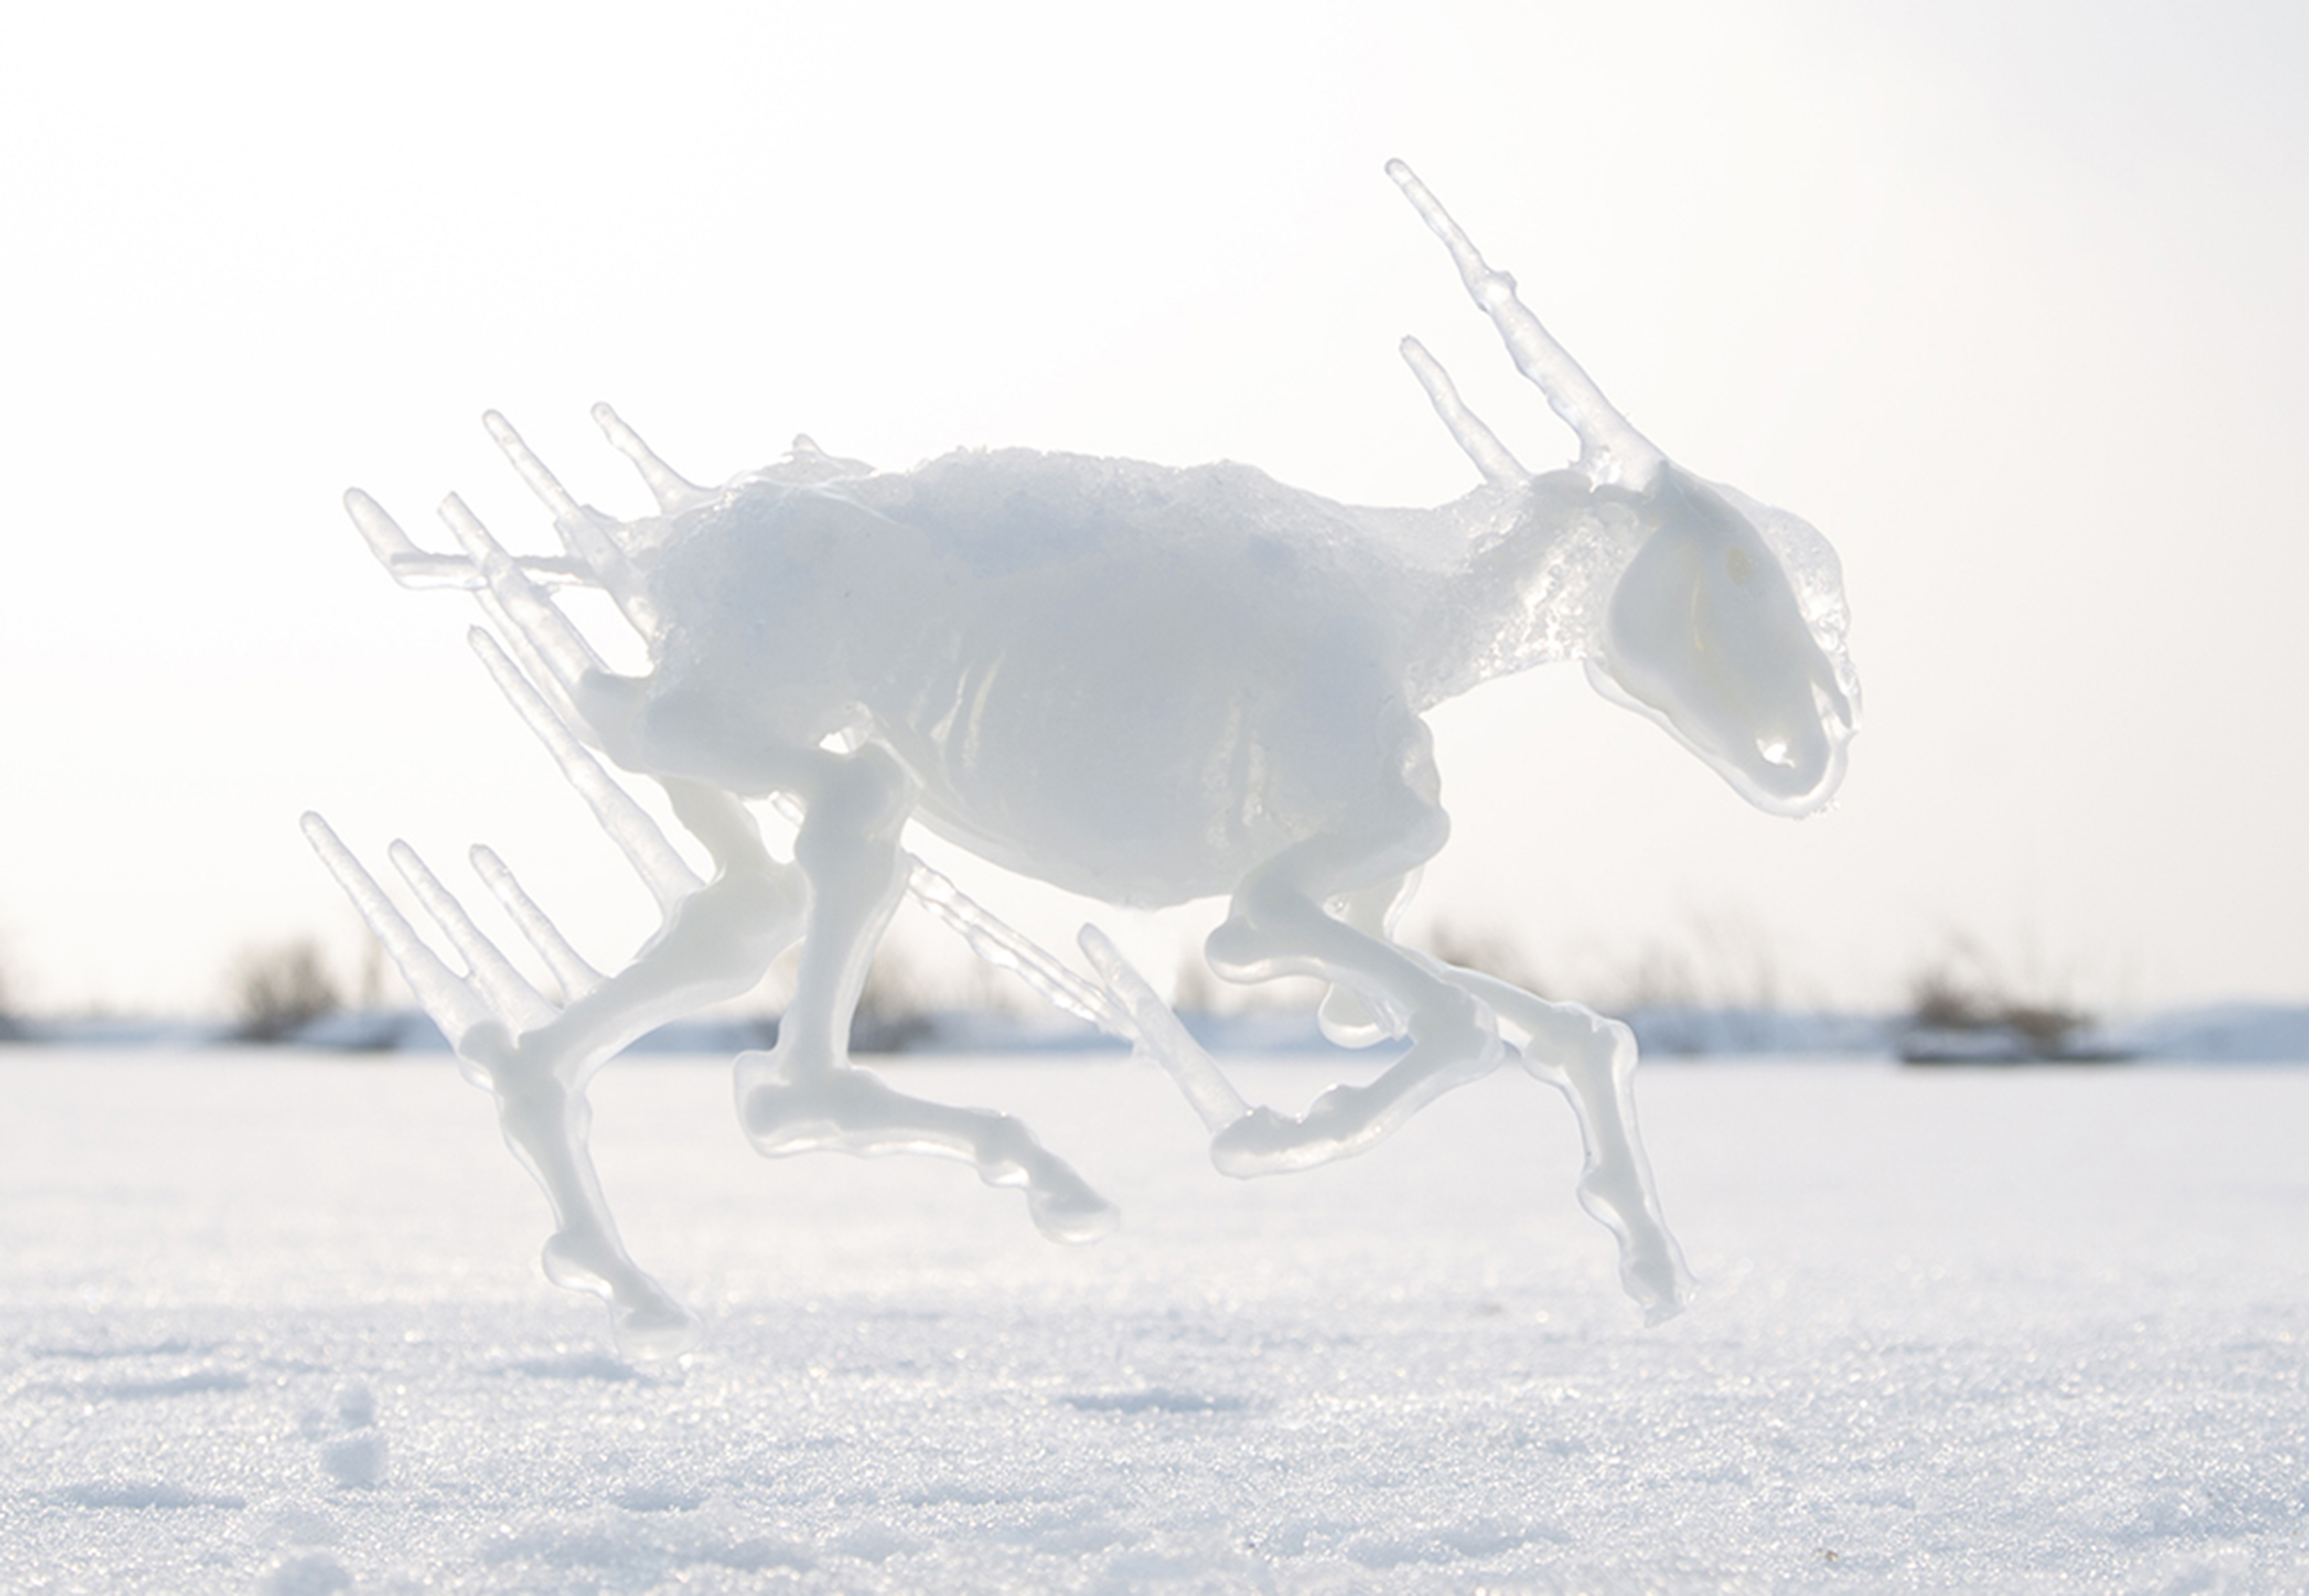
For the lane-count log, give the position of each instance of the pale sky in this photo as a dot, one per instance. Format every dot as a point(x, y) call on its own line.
point(2006, 300)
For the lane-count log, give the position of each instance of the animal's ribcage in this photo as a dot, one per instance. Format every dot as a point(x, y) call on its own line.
point(1095, 752)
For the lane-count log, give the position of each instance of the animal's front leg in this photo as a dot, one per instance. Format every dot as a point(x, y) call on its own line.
point(1356, 1019)
point(804, 1095)
point(1592, 1061)
point(1279, 926)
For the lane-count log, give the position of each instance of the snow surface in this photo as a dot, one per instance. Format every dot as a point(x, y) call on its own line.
point(273, 1323)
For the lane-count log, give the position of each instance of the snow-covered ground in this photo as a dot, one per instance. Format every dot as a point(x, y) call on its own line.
point(273, 1323)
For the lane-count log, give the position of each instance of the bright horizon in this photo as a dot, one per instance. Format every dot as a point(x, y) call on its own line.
point(2007, 306)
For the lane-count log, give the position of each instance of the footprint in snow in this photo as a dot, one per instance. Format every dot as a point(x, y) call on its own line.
point(353, 1449)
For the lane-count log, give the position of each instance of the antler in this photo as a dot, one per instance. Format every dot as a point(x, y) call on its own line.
point(1610, 449)
point(1482, 447)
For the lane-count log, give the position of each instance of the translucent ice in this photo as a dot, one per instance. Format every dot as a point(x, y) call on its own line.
point(1142, 683)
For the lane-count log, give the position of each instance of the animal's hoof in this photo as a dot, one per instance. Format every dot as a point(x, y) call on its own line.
point(647, 1321)
point(658, 1327)
point(1265, 1142)
point(780, 1122)
point(1348, 1019)
point(1076, 1216)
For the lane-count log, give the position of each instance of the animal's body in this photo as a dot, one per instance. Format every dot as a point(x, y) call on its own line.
point(1162, 680)
point(1141, 683)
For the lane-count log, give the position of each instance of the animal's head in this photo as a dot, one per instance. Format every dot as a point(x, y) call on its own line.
point(1727, 628)
point(1726, 625)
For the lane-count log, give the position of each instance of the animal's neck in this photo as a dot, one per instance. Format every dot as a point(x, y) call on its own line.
point(1540, 565)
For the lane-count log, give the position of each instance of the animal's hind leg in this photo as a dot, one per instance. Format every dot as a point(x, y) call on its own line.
point(717, 942)
point(1592, 1061)
point(805, 1095)
point(717, 939)
point(1278, 925)
point(855, 807)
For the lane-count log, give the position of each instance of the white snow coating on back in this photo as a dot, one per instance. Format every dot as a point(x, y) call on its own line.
point(1141, 683)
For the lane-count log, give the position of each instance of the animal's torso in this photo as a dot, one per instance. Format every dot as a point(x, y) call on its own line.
point(1133, 681)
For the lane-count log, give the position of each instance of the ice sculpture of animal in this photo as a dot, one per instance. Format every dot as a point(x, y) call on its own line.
point(1141, 683)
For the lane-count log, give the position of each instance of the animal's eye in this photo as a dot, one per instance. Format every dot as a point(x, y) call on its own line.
point(1736, 563)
